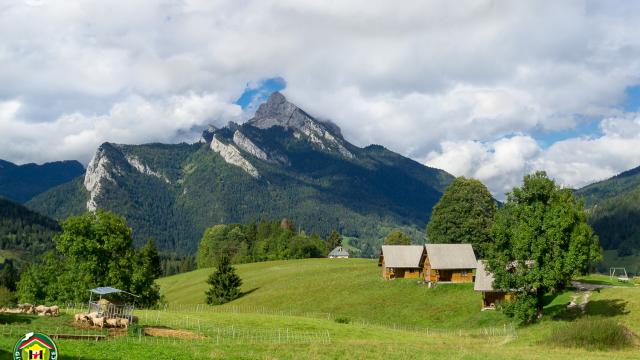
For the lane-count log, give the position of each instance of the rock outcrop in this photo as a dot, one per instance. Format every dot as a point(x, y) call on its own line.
point(247, 145)
point(135, 162)
point(97, 172)
point(232, 155)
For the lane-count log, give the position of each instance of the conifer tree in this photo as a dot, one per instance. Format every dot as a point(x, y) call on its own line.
point(224, 283)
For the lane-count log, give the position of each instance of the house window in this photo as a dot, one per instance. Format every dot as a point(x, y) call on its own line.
point(463, 273)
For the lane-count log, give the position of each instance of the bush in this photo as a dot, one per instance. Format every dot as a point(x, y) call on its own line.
point(522, 308)
point(342, 320)
point(7, 298)
point(592, 333)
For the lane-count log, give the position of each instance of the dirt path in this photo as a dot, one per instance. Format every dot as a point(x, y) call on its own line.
point(580, 298)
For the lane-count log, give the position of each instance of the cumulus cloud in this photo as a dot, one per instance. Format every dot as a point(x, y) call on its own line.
point(133, 120)
point(462, 86)
point(573, 162)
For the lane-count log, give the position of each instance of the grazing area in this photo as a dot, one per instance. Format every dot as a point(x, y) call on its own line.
point(205, 333)
point(349, 288)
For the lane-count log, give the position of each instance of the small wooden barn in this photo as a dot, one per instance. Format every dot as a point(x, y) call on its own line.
point(402, 261)
point(339, 253)
point(449, 263)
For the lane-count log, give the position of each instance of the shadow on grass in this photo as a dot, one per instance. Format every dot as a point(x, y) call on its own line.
point(602, 308)
point(609, 283)
point(244, 293)
point(610, 307)
point(16, 318)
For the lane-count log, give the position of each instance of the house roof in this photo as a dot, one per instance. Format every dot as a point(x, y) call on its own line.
point(402, 256)
point(484, 279)
point(339, 251)
point(451, 256)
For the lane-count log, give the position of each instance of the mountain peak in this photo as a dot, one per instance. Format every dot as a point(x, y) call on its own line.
point(276, 106)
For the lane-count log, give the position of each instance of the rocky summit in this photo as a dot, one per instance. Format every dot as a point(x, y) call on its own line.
point(281, 163)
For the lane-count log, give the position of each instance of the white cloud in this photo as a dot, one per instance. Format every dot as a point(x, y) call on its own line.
point(450, 83)
point(573, 162)
point(133, 120)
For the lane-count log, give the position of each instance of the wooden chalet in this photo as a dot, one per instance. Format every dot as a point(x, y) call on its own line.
point(452, 263)
point(484, 283)
point(402, 261)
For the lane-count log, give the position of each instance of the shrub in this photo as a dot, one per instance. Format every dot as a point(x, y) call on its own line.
point(522, 308)
point(592, 333)
point(7, 298)
point(342, 320)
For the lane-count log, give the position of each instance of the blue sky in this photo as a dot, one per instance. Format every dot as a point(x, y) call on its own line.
point(257, 93)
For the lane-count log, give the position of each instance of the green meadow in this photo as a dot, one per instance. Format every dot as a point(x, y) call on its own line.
point(337, 309)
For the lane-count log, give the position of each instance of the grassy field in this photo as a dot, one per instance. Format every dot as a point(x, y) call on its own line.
point(291, 310)
point(600, 279)
point(349, 288)
point(257, 336)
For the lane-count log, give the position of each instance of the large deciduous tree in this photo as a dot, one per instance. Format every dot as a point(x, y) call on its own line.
point(541, 239)
point(463, 215)
point(94, 249)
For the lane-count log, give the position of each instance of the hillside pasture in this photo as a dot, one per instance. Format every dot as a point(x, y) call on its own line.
point(330, 309)
point(258, 336)
point(351, 288)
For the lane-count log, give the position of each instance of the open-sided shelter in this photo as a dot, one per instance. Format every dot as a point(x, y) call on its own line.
point(110, 309)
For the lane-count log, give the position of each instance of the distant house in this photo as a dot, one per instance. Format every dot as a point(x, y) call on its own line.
point(402, 261)
point(339, 253)
point(484, 284)
point(449, 263)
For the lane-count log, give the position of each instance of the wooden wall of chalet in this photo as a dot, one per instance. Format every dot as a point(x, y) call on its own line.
point(455, 276)
point(401, 273)
point(491, 298)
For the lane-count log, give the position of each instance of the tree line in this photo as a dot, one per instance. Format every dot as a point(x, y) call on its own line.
point(261, 241)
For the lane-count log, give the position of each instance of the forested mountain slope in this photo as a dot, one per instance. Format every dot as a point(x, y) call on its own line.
point(282, 163)
point(20, 183)
point(614, 211)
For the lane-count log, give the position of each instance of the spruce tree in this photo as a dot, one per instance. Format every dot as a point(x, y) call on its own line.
point(224, 283)
point(334, 240)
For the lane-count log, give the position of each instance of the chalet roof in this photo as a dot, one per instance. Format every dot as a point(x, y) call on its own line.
point(339, 251)
point(451, 256)
point(402, 256)
point(484, 279)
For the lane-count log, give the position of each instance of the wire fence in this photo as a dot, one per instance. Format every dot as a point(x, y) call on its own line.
point(13, 330)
